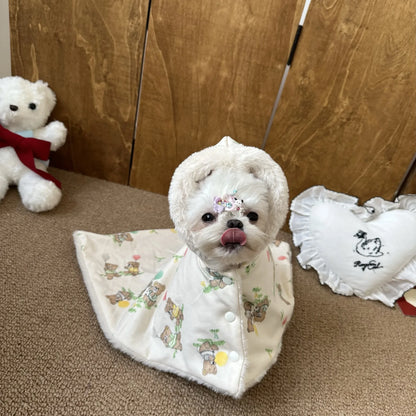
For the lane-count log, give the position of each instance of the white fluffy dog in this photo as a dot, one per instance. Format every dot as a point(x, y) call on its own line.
point(215, 309)
point(245, 178)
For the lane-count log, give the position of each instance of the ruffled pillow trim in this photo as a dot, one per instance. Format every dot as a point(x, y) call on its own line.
point(308, 257)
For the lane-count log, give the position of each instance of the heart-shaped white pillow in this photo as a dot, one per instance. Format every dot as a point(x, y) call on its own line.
point(368, 251)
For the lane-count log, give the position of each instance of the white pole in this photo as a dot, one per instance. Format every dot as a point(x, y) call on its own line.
point(286, 72)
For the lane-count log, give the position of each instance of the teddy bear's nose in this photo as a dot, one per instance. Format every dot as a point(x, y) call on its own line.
point(13, 107)
point(235, 224)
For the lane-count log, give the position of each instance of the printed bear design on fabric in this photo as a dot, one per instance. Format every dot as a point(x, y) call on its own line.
point(216, 280)
point(120, 238)
point(111, 270)
point(120, 296)
point(174, 311)
point(151, 293)
point(148, 297)
point(208, 349)
point(171, 339)
point(256, 311)
point(132, 268)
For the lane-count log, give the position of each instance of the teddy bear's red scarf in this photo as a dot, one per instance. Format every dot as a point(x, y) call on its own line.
point(27, 149)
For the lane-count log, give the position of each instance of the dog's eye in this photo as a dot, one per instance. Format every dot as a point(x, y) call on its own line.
point(32, 106)
point(208, 217)
point(253, 216)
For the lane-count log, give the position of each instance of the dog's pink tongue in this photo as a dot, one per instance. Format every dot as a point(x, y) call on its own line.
point(234, 236)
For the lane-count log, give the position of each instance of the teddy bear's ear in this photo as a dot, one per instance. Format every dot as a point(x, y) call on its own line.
point(3, 86)
point(41, 83)
point(46, 94)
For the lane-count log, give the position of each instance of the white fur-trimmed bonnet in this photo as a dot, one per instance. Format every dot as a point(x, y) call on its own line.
point(228, 153)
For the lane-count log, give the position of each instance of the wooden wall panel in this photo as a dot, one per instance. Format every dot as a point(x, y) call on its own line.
point(212, 68)
point(347, 116)
point(90, 53)
point(410, 184)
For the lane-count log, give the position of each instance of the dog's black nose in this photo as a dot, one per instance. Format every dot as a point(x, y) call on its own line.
point(235, 224)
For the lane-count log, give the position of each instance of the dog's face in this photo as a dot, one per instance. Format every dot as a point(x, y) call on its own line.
point(228, 202)
point(228, 218)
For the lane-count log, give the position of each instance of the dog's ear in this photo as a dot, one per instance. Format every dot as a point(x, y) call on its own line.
point(263, 167)
point(252, 171)
point(203, 176)
point(186, 180)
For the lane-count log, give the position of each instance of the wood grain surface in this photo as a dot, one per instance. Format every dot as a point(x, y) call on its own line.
point(90, 54)
point(347, 117)
point(410, 184)
point(212, 68)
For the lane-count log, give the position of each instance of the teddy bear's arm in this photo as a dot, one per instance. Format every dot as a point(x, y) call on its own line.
point(54, 132)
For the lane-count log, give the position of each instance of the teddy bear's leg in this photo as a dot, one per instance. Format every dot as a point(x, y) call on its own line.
point(38, 194)
point(4, 186)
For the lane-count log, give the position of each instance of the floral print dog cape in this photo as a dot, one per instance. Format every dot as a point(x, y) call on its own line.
point(156, 301)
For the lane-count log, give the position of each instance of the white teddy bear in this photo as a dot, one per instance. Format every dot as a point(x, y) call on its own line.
point(24, 109)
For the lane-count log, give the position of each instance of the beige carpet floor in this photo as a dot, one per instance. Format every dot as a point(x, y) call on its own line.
point(341, 355)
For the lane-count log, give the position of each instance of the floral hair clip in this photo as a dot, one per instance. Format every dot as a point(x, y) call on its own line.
point(228, 203)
